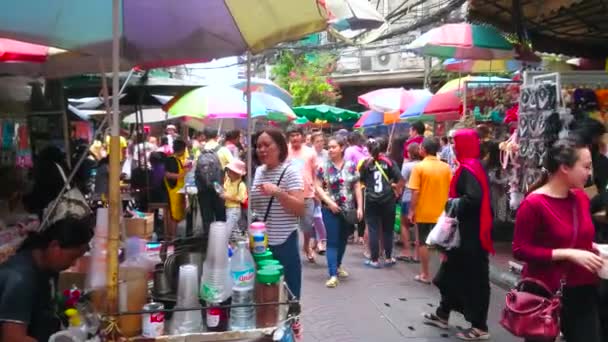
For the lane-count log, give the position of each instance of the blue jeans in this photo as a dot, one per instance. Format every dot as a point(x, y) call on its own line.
point(337, 236)
point(288, 254)
point(380, 221)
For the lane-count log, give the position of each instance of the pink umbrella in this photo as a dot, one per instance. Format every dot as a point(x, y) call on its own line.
point(17, 51)
point(382, 100)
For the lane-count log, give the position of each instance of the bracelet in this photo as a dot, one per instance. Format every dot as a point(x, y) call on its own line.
point(278, 192)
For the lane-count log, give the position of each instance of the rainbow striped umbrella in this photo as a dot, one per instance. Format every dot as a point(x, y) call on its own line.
point(463, 40)
point(370, 118)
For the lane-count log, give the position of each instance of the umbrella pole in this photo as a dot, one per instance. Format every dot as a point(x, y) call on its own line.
point(249, 134)
point(114, 178)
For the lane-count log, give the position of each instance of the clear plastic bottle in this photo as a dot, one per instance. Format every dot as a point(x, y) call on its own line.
point(242, 270)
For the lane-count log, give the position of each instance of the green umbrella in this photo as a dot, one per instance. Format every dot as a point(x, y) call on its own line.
point(326, 113)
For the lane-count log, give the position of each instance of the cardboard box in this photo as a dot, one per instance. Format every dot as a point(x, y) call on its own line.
point(140, 227)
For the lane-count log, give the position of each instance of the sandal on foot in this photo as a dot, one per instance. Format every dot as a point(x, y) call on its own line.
point(372, 264)
point(390, 262)
point(420, 279)
point(404, 258)
point(473, 334)
point(434, 320)
point(332, 282)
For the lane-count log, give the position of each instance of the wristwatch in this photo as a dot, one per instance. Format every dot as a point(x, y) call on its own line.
point(276, 193)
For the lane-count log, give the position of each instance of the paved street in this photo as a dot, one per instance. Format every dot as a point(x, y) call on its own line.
point(377, 305)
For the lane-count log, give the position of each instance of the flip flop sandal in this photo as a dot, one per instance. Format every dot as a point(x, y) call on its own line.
point(372, 264)
point(473, 334)
point(419, 279)
point(434, 320)
point(403, 258)
point(390, 262)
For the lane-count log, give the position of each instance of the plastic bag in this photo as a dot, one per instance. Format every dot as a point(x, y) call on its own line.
point(445, 234)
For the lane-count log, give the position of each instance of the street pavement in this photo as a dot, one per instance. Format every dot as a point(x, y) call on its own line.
point(379, 305)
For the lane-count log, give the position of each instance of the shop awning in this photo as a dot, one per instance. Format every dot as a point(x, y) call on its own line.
point(572, 27)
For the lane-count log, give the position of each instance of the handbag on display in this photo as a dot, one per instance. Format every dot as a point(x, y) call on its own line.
point(70, 204)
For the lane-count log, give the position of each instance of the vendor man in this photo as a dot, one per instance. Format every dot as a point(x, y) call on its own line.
point(28, 279)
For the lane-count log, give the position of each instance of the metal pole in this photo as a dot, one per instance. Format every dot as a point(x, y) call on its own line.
point(114, 179)
point(249, 133)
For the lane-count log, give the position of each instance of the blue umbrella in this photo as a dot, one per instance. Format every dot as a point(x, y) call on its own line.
point(370, 118)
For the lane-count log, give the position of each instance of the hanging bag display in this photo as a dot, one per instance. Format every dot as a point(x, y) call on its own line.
point(70, 204)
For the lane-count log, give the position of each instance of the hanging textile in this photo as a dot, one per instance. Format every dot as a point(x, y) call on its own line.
point(24, 151)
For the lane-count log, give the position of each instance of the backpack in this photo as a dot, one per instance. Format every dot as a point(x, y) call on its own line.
point(208, 169)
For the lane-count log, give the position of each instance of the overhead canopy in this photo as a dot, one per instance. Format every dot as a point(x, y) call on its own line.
point(572, 27)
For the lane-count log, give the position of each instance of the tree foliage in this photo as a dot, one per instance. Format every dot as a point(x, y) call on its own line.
point(307, 77)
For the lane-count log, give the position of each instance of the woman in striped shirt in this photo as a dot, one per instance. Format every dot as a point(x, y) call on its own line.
point(276, 178)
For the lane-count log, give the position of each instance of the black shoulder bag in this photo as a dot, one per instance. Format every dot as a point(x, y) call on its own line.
point(272, 197)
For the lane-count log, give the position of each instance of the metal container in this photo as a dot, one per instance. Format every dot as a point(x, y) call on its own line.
point(153, 323)
point(161, 283)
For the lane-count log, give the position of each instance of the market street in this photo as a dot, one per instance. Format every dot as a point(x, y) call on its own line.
point(383, 305)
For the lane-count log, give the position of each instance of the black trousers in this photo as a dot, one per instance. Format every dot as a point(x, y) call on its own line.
point(212, 208)
point(380, 219)
point(464, 283)
point(580, 320)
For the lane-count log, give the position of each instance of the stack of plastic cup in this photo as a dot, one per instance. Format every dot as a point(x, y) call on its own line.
point(216, 284)
point(187, 321)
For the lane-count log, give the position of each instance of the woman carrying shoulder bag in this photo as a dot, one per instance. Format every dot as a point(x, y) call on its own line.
point(554, 236)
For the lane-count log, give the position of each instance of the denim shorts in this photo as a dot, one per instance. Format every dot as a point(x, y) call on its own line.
point(405, 208)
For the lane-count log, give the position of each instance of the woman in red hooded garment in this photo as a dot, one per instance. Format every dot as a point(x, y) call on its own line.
point(463, 278)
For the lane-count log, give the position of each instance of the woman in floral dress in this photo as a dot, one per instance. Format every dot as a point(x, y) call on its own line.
point(339, 189)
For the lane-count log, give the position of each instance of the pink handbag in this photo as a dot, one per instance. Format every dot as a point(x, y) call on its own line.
point(530, 315)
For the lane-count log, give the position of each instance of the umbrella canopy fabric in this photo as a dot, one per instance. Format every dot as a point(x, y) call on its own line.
point(225, 102)
point(266, 86)
point(416, 108)
point(481, 66)
point(18, 51)
point(326, 113)
point(353, 15)
point(150, 115)
point(413, 96)
point(463, 40)
point(370, 118)
point(458, 84)
point(155, 31)
point(381, 100)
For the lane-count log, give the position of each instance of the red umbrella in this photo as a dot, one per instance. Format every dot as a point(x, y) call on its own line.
point(445, 106)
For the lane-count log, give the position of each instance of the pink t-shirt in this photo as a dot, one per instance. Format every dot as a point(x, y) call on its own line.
point(305, 161)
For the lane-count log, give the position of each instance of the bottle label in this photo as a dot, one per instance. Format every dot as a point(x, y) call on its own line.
point(242, 278)
point(213, 319)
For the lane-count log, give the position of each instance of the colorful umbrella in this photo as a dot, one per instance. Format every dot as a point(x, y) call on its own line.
point(481, 66)
point(392, 99)
point(416, 108)
point(326, 113)
point(463, 40)
point(155, 31)
point(370, 118)
point(382, 100)
point(224, 102)
point(262, 85)
point(458, 84)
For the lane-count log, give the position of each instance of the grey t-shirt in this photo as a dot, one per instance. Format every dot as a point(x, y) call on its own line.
point(406, 171)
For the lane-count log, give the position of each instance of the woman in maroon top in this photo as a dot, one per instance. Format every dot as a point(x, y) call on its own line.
point(554, 236)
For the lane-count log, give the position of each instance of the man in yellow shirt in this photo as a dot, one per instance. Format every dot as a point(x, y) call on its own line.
point(430, 185)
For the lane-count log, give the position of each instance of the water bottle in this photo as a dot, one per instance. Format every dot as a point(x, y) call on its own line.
point(218, 188)
point(242, 269)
